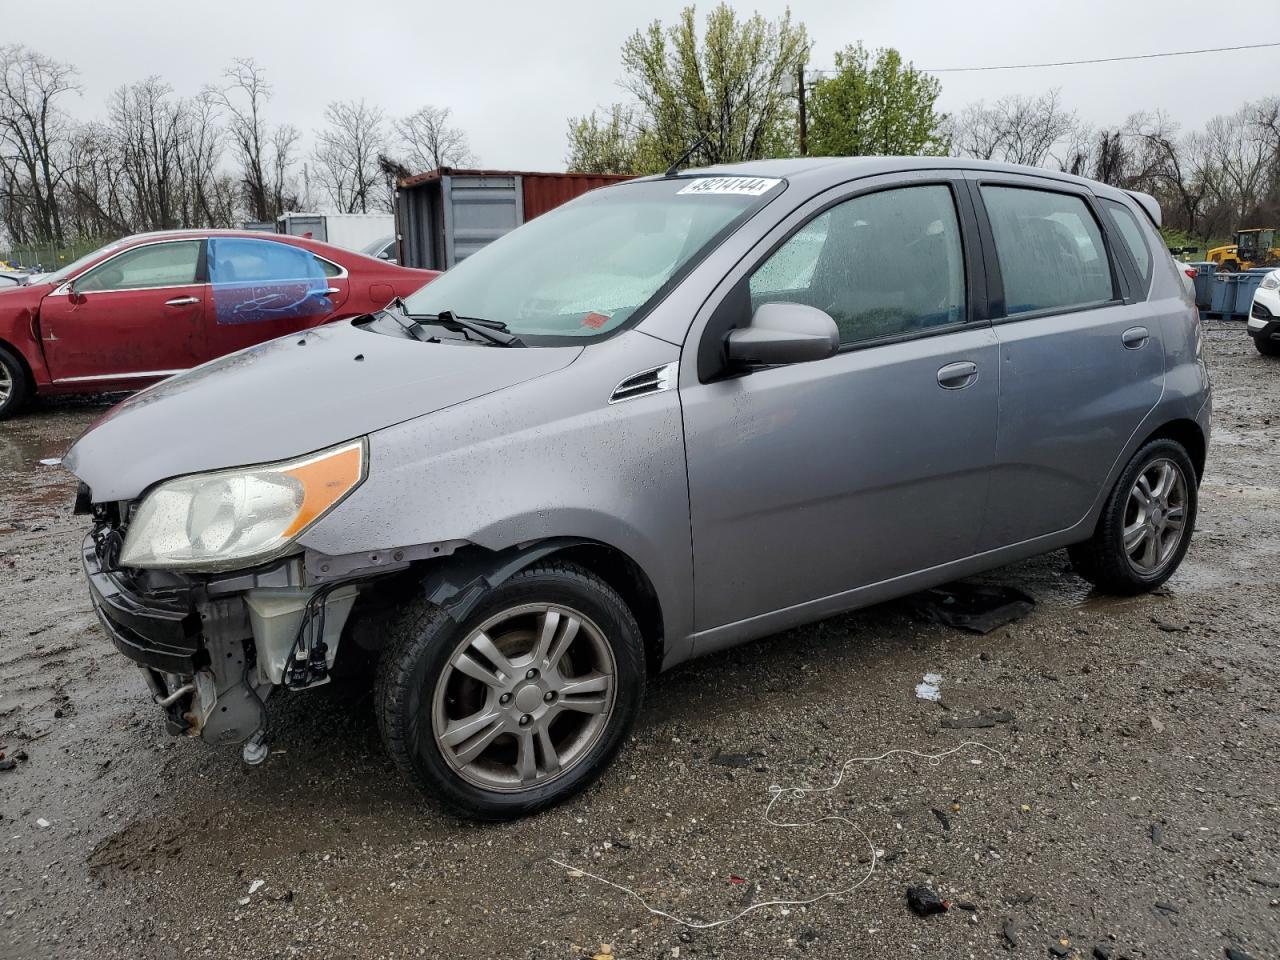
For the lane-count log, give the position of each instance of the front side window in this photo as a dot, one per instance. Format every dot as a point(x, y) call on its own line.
point(1050, 249)
point(1131, 234)
point(590, 266)
point(156, 265)
point(882, 265)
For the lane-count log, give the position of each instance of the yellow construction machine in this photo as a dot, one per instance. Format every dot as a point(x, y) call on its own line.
point(1255, 247)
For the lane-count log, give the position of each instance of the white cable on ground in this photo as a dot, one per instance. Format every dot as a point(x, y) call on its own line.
point(795, 793)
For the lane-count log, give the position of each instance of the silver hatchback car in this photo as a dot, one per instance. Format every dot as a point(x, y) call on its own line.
point(673, 415)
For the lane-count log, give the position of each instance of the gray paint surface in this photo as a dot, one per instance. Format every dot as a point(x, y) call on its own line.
point(752, 503)
point(285, 398)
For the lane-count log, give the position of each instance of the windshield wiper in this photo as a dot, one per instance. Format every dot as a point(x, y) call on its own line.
point(492, 330)
point(408, 324)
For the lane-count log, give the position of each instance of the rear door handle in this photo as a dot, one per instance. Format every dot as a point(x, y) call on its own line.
point(181, 301)
point(954, 376)
point(332, 291)
point(1135, 337)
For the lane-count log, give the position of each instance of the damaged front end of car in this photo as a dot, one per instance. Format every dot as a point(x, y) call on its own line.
point(199, 583)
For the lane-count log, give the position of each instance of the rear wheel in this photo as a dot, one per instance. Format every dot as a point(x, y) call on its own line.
point(1146, 523)
point(1268, 348)
point(13, 383)
point(522, 703)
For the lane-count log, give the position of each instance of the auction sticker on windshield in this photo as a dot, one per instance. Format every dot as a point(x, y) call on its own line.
point(747, 186)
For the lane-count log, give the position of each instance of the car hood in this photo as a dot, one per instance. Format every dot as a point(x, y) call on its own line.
point(288, 397)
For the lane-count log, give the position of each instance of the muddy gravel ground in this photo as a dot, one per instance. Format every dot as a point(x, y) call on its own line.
point(1132, 809)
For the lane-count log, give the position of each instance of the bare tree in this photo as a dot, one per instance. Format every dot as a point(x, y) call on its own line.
point(35, 137)
point(1172, 166)
point(346, 156)
point(1242, 157)
point(264, 154)
point(1015, 129)
point(428, 141)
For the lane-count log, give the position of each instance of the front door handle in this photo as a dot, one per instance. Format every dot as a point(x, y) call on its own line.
point(955, 376)
point(181, 301)
point(1135, 337)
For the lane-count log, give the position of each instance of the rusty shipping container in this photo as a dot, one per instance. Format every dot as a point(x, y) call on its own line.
point(446, 215)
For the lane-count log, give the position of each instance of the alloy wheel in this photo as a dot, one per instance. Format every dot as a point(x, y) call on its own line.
point(524, 697)
point(1155, 516)
point(6, 384)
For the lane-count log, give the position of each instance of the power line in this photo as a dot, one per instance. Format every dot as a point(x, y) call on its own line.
point(1074, 63)
point(1138, 56)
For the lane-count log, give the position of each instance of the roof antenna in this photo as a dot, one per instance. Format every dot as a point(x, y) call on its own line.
point(675, 167)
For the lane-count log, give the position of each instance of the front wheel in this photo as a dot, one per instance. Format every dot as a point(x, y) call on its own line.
point(522, 703)
point(1268, 348)
point(1146, 523)
point(13, 383)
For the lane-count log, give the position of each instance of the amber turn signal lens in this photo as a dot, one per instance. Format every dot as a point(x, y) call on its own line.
point(325, 481)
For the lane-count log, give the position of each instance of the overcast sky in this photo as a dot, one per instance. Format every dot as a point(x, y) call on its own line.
point(514, 71)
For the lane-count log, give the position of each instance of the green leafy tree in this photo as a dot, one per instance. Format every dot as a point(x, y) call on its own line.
point(875, 104)
point(729, 86)
point(603, 144)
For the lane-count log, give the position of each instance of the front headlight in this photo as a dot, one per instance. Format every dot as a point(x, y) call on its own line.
point(1271, 280)
point(233, 518)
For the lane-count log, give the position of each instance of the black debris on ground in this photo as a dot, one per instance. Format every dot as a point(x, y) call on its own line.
point(925, 902)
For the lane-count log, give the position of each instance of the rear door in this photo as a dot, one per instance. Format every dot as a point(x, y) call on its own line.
point(1081, 361)
point(808, 481)
point(137, 315)
point(262, 289)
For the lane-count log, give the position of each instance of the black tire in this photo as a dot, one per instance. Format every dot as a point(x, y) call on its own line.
point(1268, 348)
point(1102, 560)
point(14, 374)
point(424, 639)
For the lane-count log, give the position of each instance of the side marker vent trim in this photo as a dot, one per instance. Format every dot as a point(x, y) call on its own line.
point(642, 384)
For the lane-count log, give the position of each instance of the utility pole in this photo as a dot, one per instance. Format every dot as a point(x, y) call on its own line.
point(804, 128)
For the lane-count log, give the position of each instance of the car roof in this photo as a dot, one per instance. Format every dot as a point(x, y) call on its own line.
point(201, 233)
point(817, 173)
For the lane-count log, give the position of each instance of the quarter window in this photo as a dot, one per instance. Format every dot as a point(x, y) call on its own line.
point(1050, 249)
point(1131, 233)
point(156, 265)
point(882, 265)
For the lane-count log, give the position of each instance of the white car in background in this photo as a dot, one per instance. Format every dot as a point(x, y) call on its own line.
point(1188, 273)
point(1264, 316)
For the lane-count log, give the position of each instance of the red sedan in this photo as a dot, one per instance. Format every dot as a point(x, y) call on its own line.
point(152, 305)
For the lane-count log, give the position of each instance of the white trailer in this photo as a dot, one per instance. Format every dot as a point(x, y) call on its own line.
point(352, 231)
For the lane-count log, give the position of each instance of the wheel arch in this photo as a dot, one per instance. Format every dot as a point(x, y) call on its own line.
point(1188, 433)
point(457, 583)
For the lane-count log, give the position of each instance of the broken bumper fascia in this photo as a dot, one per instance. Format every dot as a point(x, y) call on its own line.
point(195, 638)
point(158, 631)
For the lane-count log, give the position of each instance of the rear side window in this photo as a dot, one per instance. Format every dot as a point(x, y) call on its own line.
point(882, 265)
point(1131, 233)
point(241, 260)
point(1050, 249)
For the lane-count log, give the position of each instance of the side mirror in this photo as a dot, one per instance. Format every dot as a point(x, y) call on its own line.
point(784, 333)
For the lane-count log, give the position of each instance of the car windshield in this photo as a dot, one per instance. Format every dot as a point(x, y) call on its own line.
point(75, 265)
point(586, 268)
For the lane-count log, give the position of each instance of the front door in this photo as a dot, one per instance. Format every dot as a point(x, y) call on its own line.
point(811, 480)
point(1081, 363)
point(137, 316)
